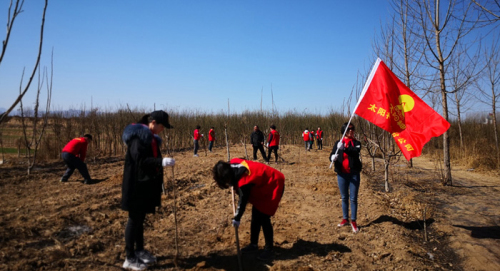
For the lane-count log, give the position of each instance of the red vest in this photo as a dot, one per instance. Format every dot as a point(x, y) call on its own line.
point(268, 186)
point(275, 141)
point(311, 135)
point(345, 163)
point(319, 134)
point(77, 147)
point(305, 135)
point(197, 134)
point(211, 135)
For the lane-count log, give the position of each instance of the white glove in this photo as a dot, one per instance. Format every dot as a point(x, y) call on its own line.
point(201, 135)
point(236, 223)
point(267, 145)
point(340, 146)
point(334, 157)
point(168, 162)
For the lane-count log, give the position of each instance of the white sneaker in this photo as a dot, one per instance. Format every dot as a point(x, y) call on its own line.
point(145, 256)
point(196, 155)
point(134, 264)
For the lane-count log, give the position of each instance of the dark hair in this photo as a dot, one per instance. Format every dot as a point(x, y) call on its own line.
point(89, 136)
point(146, 119)
point(273, 127)
point(344, 127)
point(222, 174)
point(212, 127)
point(198, 126)
point(307, 128)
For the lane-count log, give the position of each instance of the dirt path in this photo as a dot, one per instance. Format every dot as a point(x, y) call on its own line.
point(47, 225)
point(471, 217)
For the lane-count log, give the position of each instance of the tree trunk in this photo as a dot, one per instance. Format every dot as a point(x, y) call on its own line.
point(386, 176)
point(495, 129)
point(459, 120)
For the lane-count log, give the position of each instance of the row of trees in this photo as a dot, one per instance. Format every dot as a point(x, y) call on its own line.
point(445, 51)
point(440, 49)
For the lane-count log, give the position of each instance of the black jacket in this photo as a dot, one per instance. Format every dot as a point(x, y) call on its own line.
point(353, 153)
point(257, 138)
point(142, 173)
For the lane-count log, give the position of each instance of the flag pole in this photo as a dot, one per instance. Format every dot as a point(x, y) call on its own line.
point(365, 88)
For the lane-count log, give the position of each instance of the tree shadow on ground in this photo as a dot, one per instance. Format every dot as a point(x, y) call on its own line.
point(413, 225)
point(492, 232)
point(228, 260)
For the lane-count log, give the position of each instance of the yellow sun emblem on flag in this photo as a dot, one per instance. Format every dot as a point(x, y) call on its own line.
point(406, 104)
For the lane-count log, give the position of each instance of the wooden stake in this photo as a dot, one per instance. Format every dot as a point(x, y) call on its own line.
point(236, 234)
point(175, 218)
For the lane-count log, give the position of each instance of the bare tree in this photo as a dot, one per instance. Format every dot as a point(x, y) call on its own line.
point(33, 141)
point(491, 80)
point(443, 30)
point(463, 70)
point(490, 8)
point(11, 17)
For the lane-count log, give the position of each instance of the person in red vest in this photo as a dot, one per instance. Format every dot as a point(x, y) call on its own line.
point(319, 138)
point(273, 142)
point(305, 136)
point(345, 155)
point(263, 187)
point(73, 155)
point(311, 139)
point(197, 137)
point(211, 138)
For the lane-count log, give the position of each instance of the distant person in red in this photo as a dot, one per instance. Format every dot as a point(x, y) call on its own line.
point(197, 137)
point(273, 142)
point(319, 138)
point(211, 138)
point(311, 139)
point(263, 187)
point(73, 155)
point(305, 136)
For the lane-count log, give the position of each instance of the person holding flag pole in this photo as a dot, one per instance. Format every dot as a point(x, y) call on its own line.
point(388, 103)
point(345, 155)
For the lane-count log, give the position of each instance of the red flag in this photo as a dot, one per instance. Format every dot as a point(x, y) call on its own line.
point(392, 106)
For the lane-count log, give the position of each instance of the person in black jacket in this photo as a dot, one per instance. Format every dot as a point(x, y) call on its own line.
point(257, 141)
point(142, 183)
point(345, 155)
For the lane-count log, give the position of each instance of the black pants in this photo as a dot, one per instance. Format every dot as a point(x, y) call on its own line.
point(134, 233)
point(275, 150)
point(73, 162)
point(196, 146)
point(261, 148)
point(259, 220)
point(320, 144)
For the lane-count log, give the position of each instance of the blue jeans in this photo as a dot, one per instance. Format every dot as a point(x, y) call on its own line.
point(210, 145)
point(349, 183)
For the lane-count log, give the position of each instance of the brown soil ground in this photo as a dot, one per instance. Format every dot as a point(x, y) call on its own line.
point(48, 225)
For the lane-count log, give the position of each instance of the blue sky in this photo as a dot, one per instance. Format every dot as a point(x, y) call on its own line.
point(195, 55)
